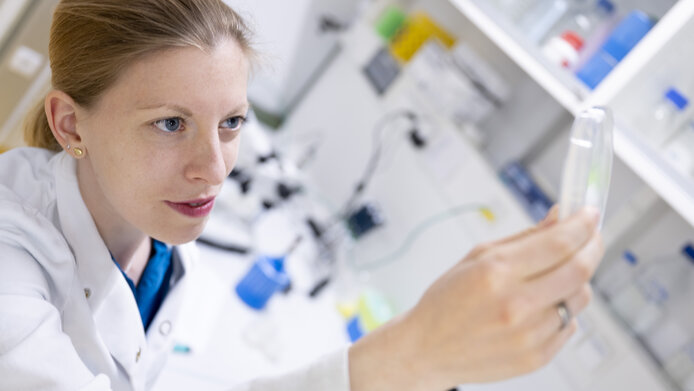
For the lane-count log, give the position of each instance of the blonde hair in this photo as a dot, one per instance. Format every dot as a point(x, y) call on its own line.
point(93, 41)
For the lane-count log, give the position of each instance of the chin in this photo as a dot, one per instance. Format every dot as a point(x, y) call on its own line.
point(181, 235)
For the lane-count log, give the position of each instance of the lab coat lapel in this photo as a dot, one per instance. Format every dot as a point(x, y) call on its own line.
point(160, 335)
point(115, 311)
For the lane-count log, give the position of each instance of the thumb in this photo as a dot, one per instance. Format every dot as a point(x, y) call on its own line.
point(551, 218)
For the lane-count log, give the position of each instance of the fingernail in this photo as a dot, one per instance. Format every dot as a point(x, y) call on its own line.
point(593, 213)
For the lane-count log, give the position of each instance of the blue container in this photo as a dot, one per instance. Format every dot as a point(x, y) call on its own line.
point(354, 329)
point(688, 251)
point(264, 278)
point(624, 37)
point(680, 101)
point(522, 185)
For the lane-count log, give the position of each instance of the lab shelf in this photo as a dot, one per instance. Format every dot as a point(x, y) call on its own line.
point(623, 354)
point(673, 187)
point(629, 69)
point(560, 84)
point(567, 90)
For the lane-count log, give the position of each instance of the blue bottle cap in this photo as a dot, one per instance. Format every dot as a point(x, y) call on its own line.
point(630, 258)
point(264, 278)
point(354, 328)
point(606, 5)
point(677, 98)
point(688, 251)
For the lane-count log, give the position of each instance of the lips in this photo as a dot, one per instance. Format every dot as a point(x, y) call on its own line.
point(193, 208)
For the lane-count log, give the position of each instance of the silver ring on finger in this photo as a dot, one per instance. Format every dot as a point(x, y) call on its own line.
point(564, 315)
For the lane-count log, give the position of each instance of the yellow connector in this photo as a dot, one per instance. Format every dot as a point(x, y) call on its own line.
point(488, 214)
point(417, 30)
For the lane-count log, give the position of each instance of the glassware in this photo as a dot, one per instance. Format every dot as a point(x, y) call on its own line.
point(588, 164)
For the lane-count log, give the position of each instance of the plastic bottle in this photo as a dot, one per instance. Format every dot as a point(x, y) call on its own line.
point(563, 50)
point(679, 151)
point(584, 19)
point(541, 17)
point(616, 274)
point(642, 303)
point(620, 42)
point(362, 306)
point(672, 333)
point(666, 338)
point(660, 125)
point(265, 278)
point(349, 285)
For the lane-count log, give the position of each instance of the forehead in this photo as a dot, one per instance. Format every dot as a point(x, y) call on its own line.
point(195, 78)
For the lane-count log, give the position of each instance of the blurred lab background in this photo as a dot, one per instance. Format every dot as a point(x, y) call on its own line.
point(388, 137)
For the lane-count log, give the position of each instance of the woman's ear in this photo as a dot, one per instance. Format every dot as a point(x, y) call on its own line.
point(62, 119)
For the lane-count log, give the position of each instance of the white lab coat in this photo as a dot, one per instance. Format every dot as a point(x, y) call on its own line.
point(68, 319)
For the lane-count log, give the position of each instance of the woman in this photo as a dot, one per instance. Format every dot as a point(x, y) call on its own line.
point(134, 143)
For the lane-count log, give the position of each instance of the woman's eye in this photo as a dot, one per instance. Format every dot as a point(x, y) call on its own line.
point(233, 123)
point(173, 124)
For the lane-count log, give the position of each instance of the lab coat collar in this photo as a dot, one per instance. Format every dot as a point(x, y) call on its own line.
point(115, 311)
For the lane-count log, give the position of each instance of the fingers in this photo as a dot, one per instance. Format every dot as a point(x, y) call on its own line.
point(549, 322)
point(538, 327)
point(525, 361)
point(497, 316)
point(545, 249)
point(550, 343)
point(517, 302)
point(551, 218)
point(549, 288)
point(541, 357)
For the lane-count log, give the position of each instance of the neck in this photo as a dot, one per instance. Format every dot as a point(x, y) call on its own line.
point(129, 246)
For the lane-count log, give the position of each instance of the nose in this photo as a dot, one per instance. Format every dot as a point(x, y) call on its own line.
point(207, 163)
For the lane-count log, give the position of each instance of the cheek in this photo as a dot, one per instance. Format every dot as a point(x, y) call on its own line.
point(160, 170)
point(231, 153)
point(113, 157)
point(143, 165)
point(137, 172)
point(111, 145)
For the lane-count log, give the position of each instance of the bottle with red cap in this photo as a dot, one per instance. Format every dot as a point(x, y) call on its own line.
point(563, 50)
point(586, 18)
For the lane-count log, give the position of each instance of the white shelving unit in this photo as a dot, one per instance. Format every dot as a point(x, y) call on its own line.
point(559, 84)
point(629, 365)
point(674, 188)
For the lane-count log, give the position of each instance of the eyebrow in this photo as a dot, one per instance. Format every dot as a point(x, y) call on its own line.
point(242, 107)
